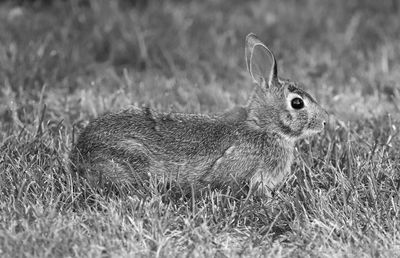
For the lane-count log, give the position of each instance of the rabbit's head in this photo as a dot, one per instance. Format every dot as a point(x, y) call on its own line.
point(277, 105)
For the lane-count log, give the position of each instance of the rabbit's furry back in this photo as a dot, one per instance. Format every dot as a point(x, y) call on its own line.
point(253, 143)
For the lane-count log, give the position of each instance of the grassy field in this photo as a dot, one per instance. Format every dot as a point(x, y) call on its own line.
point(64, 63)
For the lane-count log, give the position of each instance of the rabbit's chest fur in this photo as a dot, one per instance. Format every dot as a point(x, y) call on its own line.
point(183, 148)
point(259, 157)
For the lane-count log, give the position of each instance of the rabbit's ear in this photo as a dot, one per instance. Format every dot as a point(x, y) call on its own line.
point(260, 62)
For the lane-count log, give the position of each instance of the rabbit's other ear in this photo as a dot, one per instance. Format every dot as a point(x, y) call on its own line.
point(260, 62)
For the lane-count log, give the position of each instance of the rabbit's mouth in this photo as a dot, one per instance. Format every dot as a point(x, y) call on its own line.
point(309, 133)
point(315, 129)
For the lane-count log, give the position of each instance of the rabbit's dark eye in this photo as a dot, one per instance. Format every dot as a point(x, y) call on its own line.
point(297, 103)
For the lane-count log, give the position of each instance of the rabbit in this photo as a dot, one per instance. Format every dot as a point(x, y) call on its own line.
point(251, 144)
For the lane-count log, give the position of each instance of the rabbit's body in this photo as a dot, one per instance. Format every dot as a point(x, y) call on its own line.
point(253, 143)
point(183, 148)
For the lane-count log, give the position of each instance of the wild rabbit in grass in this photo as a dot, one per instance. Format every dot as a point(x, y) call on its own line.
point(252, 144)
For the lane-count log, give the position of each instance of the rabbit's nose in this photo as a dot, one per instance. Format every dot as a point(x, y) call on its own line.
point(325, 118)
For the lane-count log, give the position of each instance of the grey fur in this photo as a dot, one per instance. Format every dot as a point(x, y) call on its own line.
point(252, 144)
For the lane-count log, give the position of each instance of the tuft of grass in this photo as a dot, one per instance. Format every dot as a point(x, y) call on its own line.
point(64, 62)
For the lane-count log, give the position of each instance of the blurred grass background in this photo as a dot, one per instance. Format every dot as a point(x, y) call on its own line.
point(82, 58)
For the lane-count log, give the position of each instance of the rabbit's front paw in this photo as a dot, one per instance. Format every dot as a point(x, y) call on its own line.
point(259, 189)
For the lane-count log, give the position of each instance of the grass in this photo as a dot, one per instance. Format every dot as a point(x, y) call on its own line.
point(64, 63)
